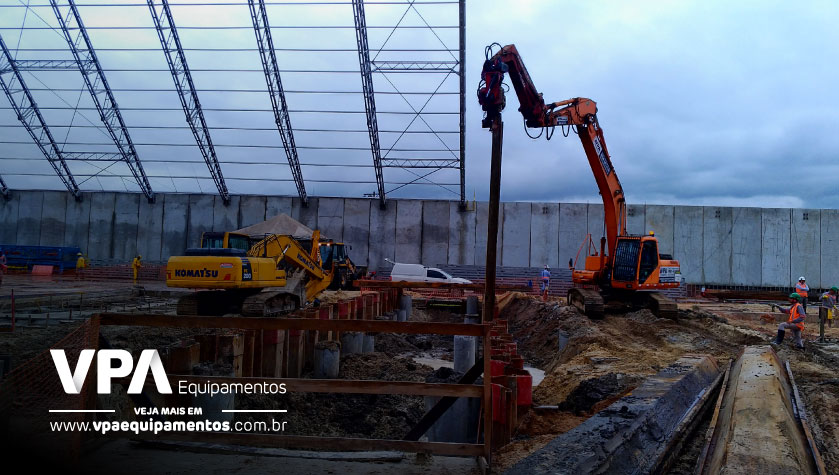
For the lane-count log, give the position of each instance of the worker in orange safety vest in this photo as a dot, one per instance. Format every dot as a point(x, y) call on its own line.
point(795, 322)
point(803, 290)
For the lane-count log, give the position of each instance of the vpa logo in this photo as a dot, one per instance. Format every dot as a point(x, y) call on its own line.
point(106, 370)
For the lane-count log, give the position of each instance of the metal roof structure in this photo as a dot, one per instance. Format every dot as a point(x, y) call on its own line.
point(334, 98)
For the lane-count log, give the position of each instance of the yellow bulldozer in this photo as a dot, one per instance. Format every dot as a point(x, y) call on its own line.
point(235, 273)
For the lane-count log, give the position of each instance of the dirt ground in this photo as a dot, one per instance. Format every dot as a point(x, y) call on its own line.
point(591, 363)
point(588, 364)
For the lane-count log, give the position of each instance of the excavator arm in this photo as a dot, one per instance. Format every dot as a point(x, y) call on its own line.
point(580, 113)
point(285, 248)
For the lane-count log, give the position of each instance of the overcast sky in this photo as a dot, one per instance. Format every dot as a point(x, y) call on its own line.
point(702, 102)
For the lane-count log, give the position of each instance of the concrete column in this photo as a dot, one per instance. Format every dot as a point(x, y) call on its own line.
point(327, 359)
point(405, 303)
point(472, 305)
point(464, 353)
point(369, 345)
point(352, 342)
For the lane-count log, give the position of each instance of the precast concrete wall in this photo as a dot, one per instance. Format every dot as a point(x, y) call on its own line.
point(714, 245)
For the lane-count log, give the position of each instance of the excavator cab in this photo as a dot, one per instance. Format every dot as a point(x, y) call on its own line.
point(636, 261)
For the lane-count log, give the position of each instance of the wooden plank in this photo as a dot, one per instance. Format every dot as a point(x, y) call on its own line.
point(246, 323)
point(318, 443)
point(342, 386)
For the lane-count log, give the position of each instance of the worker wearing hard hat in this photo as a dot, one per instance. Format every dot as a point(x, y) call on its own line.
point(828, 308)
point(81, 263)
point(802, 289)
point(136, 265)
point(795, 322)
point(545, 283)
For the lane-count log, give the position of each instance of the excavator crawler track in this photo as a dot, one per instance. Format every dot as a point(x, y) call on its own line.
point(589, 302)
point(270, 304)
point(663, 307)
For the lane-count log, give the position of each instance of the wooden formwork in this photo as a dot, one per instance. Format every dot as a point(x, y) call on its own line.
point(347, 316)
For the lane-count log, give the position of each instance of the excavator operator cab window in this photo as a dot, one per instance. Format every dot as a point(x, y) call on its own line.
point(238, 242)
point(626, 260)
point(212, 241)
point(649, 260)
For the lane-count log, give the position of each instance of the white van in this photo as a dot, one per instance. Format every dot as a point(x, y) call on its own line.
point(420, 273)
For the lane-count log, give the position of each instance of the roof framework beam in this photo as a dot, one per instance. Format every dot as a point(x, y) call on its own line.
point(366, 67)
point(30, 116)
point(100, 91)
point(262, 30)
point(170, 42)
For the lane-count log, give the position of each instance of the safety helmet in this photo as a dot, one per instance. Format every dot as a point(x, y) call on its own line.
point(78, 253)
point(547, 267)
point(801, 278)
point(795, 296)
point(835, 289)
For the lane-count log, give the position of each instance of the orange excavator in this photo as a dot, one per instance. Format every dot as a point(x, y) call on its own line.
point(626, 270)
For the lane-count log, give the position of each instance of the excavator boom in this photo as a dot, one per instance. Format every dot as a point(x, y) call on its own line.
point(578, 112)
point(624, 264)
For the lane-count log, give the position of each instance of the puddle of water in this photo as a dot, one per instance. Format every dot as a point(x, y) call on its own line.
point(537, 374)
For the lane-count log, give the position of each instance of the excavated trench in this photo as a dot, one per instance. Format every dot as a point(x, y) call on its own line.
point(593, 369)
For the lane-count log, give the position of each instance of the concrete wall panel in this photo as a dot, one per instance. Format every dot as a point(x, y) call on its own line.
point(251, 210)
point(687, 241)
point(100, 238)
point(544, 234)
point(53, 213)
point(276, 205)
point(200, 217)
point(331, 218)
point(9, 219)
point(382, 236)
point(150, 229)
point(829, 242)
point(435, 233)
point(596, 224)
point(659, 219)
point(29, 218)
point(226, 218)
point(408, 231)
point(515, 248)
point(481, 218)
point(745, 249)
point(461, 235)
point(716, 245)
point(126, 217)
point(175, 239)
point(805, 245)
point(573, 227)
point(307, 215)
point(77, 222)
point(357, 228)
point(636, 221)
point(775, 248)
